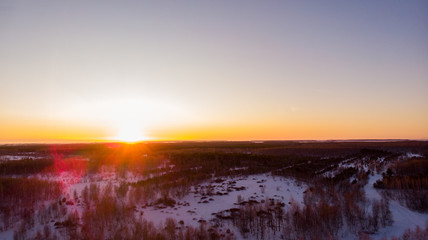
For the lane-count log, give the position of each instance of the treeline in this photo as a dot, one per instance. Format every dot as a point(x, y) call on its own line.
point(411, 167)
point(308, 168)
point(87, 164)
point(407, 181)
point(21, 196)
point(220, 163)
point(330, 148)
point(25, 166)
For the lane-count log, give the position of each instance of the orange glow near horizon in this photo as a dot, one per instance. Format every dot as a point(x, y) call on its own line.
point(132, 131)
point(132, 71)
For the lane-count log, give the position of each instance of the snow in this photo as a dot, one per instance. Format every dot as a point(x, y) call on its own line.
point(20, 157)
point(6, 235)
point(403, 217)
point(274, 187)
point(197, 206)
point(348, 163)
point(191, 208)
point(412, 155)
point(371, 192)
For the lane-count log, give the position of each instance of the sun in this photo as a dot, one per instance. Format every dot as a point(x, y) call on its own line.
point(130, 133)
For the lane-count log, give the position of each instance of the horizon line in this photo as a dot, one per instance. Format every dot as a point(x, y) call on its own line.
point(218, 140)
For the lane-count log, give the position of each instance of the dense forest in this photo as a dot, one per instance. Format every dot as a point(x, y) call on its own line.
point(104, 191)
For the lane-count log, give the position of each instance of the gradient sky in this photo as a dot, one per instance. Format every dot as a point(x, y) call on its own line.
point(205, 70)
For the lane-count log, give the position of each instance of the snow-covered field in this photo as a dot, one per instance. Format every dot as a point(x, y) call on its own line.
point(194, 206)
point(218, 196)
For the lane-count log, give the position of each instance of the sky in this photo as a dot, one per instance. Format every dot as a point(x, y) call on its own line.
point(213, 70)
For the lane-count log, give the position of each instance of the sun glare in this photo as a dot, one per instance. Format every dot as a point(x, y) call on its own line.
point(130, 133)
